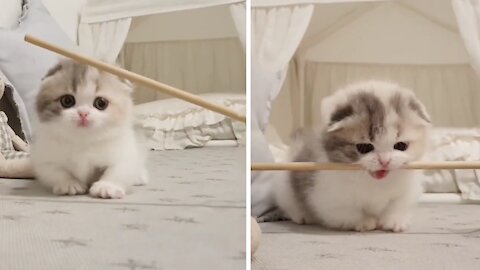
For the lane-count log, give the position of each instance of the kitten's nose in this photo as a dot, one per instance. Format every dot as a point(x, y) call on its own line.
point(384, 162)
point(83, 114)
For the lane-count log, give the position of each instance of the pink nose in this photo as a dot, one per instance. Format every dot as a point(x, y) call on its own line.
point(83, 115)
point(384, 162)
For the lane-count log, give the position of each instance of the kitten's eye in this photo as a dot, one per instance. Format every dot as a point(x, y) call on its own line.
point(400, 146)
point(364, 148)
point(67, 101)
point(100, 103)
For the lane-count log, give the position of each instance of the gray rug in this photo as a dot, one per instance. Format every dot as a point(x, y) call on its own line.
point(190, 216)
point(443, 236)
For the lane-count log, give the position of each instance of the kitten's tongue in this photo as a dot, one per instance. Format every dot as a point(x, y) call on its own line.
point(379, 175)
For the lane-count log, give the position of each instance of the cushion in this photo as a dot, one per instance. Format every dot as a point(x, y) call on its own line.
point(175, 124)
point(25, 64)
point(11, 12)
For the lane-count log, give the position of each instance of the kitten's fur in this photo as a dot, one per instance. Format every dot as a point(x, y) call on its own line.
point(100, 153)
point(373, 112)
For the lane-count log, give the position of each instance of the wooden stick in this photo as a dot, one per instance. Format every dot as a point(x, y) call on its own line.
point(134, 77)
point(311, 166)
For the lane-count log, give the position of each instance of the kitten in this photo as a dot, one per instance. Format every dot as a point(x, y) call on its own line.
point(378, 125)
point(85, 139)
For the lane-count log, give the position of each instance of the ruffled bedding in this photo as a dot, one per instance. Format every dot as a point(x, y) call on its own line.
point(175, 124)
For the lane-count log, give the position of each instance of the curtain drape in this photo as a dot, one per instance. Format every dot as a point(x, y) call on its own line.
point(239, 17)
point(276, 35)
point(467, 13)
point(199, 66)
point(104, 40)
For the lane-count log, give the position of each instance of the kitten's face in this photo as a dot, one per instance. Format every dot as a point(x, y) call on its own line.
point(82, 98)
point(381, 132)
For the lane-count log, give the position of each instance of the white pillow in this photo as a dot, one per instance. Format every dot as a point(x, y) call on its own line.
point(11, 12)
point(175, 124)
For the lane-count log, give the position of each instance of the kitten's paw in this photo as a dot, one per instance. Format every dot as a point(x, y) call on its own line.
point(143, 179)
point(367, 224)
point(394, 224)
point(69, 188)
point(107, 190)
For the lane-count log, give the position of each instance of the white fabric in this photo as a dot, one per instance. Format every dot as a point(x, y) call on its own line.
point(198, 66)
point(276, 34)
point(272, 3)
point(450, 144)
point(468, 19)
point(450, 92)
point(104, 40)
point(176, 124)
point(239, 17)
point(106, 10)
point(11, 11)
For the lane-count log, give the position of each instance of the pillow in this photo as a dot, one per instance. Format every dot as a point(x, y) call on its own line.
point(175, 124)
point(25, 64)
point(11, 12)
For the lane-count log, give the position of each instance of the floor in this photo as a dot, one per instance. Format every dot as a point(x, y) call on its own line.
point(443, 236)
point(191, 216)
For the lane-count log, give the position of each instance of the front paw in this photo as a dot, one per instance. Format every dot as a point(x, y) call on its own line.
point(107, 190)
point(367, 224)
point(394, 223)
point(69, 188)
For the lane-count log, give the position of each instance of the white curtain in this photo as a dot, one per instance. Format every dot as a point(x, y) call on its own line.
point(276, 35)
point(239, 17)
point(108, 10)
point(450, 92)
point(199, 66)
point(104, 40)
point(468, 20)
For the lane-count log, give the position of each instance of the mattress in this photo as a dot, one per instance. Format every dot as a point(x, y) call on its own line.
point(442, 236)
point(190, 216)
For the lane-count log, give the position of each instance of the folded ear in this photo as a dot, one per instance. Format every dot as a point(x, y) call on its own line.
point(338, 117)
point(419, 112)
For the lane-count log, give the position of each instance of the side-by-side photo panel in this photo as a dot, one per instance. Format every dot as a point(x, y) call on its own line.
point(123, 127)
point(365, 142)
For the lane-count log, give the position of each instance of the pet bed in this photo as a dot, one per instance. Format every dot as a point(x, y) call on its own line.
point(182, 219)
point(443, 236)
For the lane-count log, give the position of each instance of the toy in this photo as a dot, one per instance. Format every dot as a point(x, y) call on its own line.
point(14, 152)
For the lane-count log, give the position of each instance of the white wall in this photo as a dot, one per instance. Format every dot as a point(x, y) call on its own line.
point(66, 13)
point(391, 34)
point(206, 23)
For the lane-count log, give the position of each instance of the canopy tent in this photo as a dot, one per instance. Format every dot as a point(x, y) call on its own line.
point(190, 44)
point(431, 46)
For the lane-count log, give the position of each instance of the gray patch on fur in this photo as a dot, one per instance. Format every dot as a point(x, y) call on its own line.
point(341, 113)
point(396, 102)
point(47, 108)
point(303, 181)
point(78, 73)
point(370, 105)
point(339, 149)
point(53, 70)
point(96, 174)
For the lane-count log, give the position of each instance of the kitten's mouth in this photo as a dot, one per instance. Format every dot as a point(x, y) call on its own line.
point(379, 175)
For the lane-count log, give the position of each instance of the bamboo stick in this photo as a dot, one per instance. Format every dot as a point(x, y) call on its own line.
point(136, 78)
point(311, 166)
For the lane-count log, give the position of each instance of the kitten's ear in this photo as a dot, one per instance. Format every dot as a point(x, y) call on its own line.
point(419, 112)
point(337, 116)
point(52, 71)
point(128, 85)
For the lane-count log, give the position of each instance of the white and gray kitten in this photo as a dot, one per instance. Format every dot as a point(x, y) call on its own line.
point(85, 139)
point(378, 125)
